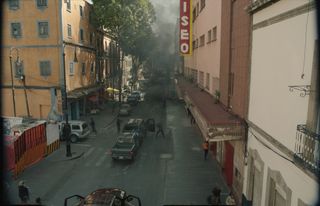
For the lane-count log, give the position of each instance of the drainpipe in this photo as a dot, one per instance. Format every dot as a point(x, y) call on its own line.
point(230, 54)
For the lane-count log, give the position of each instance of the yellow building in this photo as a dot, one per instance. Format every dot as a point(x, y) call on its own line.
point(45, 44)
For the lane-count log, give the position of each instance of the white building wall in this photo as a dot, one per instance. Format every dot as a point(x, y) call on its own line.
point(281, 53)
point(278, 62)
point(301, 185)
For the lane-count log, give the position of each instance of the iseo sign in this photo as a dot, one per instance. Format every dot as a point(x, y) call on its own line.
point(185, 27)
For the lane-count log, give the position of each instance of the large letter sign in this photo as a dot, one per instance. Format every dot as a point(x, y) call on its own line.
point(185, 27)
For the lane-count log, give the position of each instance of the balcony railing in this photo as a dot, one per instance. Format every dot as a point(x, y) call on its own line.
point(307, 148)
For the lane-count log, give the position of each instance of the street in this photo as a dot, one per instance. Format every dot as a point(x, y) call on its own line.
point(169, 170)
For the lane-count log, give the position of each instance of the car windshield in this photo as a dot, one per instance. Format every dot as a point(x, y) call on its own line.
point(220, 99)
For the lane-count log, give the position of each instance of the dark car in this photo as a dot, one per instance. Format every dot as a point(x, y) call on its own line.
point(103, 197)
point(132, 100)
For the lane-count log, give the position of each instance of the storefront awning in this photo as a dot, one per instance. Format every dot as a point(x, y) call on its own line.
point(81, 92)
point(214, 120)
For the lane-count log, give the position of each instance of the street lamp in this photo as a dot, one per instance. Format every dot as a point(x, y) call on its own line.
point(12, 87)
point(66, 128)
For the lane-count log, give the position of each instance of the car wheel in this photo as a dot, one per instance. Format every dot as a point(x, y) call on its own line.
point(73, 138)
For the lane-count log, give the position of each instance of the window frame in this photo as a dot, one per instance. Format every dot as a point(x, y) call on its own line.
point(71, 68)
point(69, 31)
point(17, 74)
point(20, 30)
point(202, 4)
point(83, 68)
point(68, 2)
point(43, 72)
point(42, 6)
point(81, 11)
point(14, 6)
point(81, 35)
point(39, 29)
point(214, 33)
point(202, 40)
point(209, 36)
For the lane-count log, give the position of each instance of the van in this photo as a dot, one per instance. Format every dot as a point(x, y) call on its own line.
point(79, 130)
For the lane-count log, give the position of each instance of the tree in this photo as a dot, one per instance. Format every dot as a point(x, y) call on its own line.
point(128, 22)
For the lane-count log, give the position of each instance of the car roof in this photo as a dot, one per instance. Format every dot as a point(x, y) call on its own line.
point(135, 121)
point(74, 122)
point(103, 197)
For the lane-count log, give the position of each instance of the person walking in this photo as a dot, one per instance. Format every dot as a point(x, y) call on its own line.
point(159, 130)
point(93, 126)
point(205, 147)
point(23, 192)
point(215, 197)
point(230, 200)
point(118, 125)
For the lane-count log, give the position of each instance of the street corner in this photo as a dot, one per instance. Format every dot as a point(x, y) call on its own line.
point(77, 151)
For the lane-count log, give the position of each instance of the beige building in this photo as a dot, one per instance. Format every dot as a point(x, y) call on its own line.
point(54, 42)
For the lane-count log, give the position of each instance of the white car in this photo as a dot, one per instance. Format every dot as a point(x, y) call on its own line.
point(79, 130)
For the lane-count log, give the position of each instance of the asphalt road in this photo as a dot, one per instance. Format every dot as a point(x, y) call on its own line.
point(169, 170)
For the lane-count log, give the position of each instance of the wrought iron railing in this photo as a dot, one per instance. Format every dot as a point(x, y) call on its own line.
point(307, 148)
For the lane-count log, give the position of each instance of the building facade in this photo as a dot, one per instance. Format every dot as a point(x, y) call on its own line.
point(283, 135)
point(51, 44)
point(219, 67)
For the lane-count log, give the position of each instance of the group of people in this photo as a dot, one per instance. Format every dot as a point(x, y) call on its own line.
point(215, 198)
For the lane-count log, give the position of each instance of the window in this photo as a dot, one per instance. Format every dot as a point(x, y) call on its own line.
point(203, 4)
point(194, 14)
point(201, 79)
point(193, 44)
point(91, 68)
point(91, 38)
point(83, 68)
point(69, 31)
point(207, 80)
point(198, 9)
point(45, 68)
point(68, 5)
point(16, 30)
point(214, 33)
point(81, 11)
point(14, 4)
point(18, 69)
point(209, 36)
point(71, 69)
point(75, 127)
point(43, 29)
point(202, 40)
point(81, 35)
point(42, 3)
point(197, 43)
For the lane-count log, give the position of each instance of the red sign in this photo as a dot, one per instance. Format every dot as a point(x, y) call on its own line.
point(185, 27)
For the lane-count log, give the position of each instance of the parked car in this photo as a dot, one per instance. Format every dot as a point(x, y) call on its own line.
point(125, 110)
point(104, 196)
point(126, 147)
point(132, 100)
point(79, 130)
point(136, 94)
point(135, 126)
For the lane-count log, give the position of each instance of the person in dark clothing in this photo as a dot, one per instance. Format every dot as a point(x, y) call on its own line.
point(205, 146)
point(93, 126)
point(159, 130)
point(23, 192)
point(118, 125)
point(215, 197)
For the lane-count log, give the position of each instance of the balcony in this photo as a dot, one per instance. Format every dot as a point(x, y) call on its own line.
point(307, 149)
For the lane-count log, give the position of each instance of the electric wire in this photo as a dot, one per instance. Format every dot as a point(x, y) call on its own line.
point(267, 146)
point(305, 41)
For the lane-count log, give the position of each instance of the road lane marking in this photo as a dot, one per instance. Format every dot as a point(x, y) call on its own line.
point(83, 145)
point(101, 159)
point(88, 163)
point(89, 152)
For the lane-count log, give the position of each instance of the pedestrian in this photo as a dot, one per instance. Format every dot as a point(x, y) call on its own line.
point(38, 201)
point(205, 147)
point(118, 125)
point(230, 200)
point(215, 197)
point(159, 129)
point(93, 126)
point(23, 192)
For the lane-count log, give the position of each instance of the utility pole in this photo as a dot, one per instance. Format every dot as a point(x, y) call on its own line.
point(12, 86)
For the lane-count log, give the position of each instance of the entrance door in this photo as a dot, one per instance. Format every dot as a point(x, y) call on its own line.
point(213, 148)
point(228, 163)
